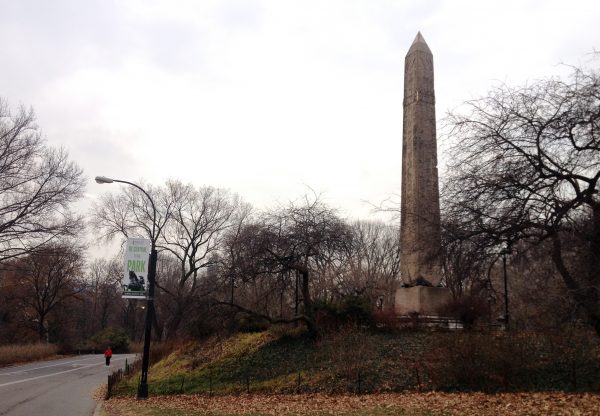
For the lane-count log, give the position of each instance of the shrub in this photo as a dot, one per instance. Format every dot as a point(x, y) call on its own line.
point(136, 347)
point(353, 309)
point(288, 331)
point(508, 361)
point(116, 338)
point(468, 309)
point(385, 320)
point(356, 309)
point(252, 323)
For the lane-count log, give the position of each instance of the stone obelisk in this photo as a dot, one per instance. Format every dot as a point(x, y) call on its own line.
point(420, 205)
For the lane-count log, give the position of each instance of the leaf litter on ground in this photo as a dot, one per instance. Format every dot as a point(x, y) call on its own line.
point(431, 403)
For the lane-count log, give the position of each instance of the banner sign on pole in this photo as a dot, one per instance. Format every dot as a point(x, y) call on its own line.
point(137, 254)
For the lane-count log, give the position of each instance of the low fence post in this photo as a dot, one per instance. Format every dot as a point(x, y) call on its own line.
point(118, 375)
point(108, 387)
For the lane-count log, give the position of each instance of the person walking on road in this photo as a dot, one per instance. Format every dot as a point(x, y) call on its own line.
point(108, 355)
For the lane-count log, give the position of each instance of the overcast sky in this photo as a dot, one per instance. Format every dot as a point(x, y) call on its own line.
point(265, 97)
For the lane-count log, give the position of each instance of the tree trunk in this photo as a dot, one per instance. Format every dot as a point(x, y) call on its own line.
point(157, 328)
point(104, 315)
point(42, 328)
point(308, 306)
point(593, 273)
point(594, 254)
point(586, 298)
point(129, 319)
point(175, 321)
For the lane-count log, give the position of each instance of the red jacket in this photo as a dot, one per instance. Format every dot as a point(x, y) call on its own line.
point(108, 353)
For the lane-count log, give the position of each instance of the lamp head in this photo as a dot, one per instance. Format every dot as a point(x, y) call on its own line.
point(103, 179)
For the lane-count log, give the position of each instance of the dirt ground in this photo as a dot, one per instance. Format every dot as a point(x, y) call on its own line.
point(375, 404)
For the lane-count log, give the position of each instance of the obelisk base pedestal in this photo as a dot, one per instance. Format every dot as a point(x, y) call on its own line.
point(423, 300)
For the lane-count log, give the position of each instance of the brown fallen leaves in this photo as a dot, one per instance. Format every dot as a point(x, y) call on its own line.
point(437, 403)
point(100, 392)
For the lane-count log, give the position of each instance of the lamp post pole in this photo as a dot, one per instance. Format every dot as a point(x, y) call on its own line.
point(143, 387)
point(506, 314)
point(142, 392)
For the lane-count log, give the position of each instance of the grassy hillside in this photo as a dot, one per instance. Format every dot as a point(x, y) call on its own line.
point(351, 360)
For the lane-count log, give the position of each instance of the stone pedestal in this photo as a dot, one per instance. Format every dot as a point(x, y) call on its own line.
point(423, 300)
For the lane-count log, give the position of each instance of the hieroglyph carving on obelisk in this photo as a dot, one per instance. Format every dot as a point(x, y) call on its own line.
point(420, 205)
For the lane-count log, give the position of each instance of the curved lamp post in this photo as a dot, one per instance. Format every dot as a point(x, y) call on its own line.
point(143, 386)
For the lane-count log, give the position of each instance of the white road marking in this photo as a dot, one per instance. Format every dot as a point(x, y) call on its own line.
point(46, 366)
point(54, 374)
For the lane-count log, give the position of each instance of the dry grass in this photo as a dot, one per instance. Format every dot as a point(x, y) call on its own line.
point(159, 349)
point(136, 347)
point(20, 353)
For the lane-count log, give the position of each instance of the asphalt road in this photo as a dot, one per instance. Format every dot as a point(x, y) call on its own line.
point(55, 388)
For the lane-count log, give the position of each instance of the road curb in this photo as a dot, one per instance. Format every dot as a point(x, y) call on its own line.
point(98, 408)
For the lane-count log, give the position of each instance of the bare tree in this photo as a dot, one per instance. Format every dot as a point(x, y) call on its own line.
point(293, 238)
point(129, 213)
point(525, 167)
point(103, 282)
point(372, 264)
point(13, 325)
point(466, 262)
point(193, 236)
point(190, 225)
point(37, 185)
point(47, 278)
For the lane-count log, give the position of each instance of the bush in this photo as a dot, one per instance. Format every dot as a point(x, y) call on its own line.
point(385, 320)
point(205, 320)
point(356, 309)
point(252, 323)
point(136, 347)
point(288, 332)
point(116, 338)
point(353, 309)
point(516, 361)
point(468, 309)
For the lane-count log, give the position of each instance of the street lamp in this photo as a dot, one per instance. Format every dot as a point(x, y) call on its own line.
point(143, 386)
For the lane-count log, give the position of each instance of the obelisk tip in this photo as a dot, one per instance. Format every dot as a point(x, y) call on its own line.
point(419, 44)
